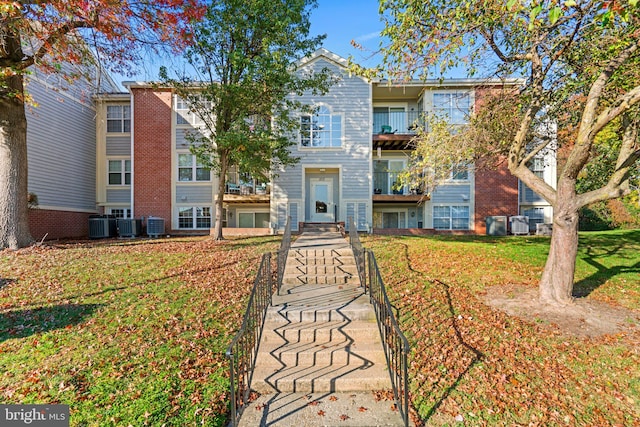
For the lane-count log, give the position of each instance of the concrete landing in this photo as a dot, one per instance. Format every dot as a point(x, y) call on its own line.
point(320, 409)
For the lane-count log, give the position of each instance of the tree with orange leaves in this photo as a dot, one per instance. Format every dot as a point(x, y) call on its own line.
point(47, 34)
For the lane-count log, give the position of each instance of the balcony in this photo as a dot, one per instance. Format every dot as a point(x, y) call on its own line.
point(397, 122)
point(242, 188)
point(386, 188)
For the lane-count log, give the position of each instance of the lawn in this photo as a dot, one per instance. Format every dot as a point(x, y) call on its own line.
point(134, 332)
point(125, 332)
point(476, 364)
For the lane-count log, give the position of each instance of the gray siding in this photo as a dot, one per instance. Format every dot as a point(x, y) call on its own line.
point(182, 139)
point(119, 146)
point(119, 195)
point(61, 145)
point(349, 97)
point(451, 194)
point(194, 194)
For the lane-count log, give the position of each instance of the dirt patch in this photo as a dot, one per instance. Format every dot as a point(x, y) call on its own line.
point(584, 318)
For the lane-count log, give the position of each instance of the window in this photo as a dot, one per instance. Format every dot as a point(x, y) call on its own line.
point(194, 217)
point(253, 220)
point(185, 115)
point(192, 169)
point(120, 212)
point(451, 217)
point(120, 172)
point(455, 107)
point(321, 129)
point(460, 173)
point(118, 118)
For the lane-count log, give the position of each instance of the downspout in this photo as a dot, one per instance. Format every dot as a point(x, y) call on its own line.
point(131, 131)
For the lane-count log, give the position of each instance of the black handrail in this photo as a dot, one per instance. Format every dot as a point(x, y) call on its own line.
point(358, 252)
point(396, 346)
point(285, 245)
point(243, 349)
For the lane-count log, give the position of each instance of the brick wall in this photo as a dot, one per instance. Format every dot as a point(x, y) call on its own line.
point(496, 190)
point(496, 194)
point(152, 153)
point(58, 224)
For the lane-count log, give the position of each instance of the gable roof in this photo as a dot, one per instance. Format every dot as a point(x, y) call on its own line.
point(327, 55)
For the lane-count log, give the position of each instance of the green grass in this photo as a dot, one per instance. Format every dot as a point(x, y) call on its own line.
point(127, 333)
point(134, 332)
point(493, 369)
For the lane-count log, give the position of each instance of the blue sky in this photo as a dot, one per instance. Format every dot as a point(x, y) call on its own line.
point(346, 20)
point(341, 21)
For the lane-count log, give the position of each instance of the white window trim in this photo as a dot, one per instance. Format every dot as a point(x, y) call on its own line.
point(331, 115)
point(194, 218)
point(193, 119)
point(123, 171)
point(194, 168)
point(450, 205)
point(127, 211)
point(470, 92)
point(395, 210)
point(122, 119)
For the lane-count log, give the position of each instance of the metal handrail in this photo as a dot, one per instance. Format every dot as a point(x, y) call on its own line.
point(283, 252)
point(243, 349)
point(358, 252)
point(396, 346)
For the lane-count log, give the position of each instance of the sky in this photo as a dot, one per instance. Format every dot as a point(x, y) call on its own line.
point(341, 21)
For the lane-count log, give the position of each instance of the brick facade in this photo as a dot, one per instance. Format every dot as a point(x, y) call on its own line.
point(58, 224)
point(152, 154)
point(496, 193)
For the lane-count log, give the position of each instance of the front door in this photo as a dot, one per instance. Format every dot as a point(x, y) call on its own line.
point(321, 201)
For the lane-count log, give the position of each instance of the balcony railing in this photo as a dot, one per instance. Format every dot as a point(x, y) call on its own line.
point(401, 122)
point(388, 183)
point(240, 184)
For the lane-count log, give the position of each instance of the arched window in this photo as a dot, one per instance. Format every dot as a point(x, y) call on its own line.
point(322, 129)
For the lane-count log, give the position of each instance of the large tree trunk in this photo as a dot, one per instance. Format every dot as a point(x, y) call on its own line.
point(222, 180)
point(556, 284)
point(14, 212)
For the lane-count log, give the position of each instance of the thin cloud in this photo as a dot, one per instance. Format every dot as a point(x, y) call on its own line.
point(367, 37)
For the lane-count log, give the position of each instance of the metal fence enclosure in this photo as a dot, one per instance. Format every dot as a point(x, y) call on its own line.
point(395, 344)
point(243, 349)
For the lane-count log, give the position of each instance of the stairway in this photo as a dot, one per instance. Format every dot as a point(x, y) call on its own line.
point(320, 344)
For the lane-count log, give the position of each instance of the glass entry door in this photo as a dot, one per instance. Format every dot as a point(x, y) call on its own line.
point(321, 201)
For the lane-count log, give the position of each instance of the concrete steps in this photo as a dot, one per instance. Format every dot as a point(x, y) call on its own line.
point(320, 339)
point(321, 266)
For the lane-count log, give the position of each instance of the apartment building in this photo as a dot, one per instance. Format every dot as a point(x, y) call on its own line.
point(351, 152)
point(61, 146)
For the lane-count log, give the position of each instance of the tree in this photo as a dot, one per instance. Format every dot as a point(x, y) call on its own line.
point(243, 62)
point(580, 63)
point(46, 35)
